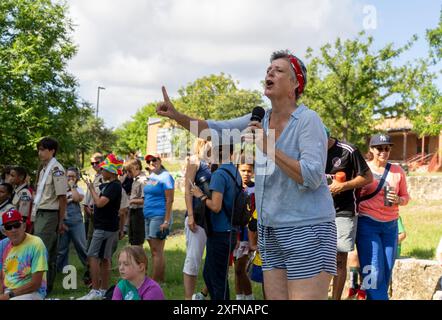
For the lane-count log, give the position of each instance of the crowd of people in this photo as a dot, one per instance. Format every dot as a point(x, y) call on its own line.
point(318, 206)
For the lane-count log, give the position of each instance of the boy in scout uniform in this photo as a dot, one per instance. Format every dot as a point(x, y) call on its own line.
point(22, 199)
point(136, 216)
point(50, 203)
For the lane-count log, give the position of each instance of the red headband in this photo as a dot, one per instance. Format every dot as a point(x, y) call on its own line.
point(298, 73)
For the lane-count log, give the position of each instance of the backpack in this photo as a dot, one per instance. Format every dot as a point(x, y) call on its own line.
point(242, 208)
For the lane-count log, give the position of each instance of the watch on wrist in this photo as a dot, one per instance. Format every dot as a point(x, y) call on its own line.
point(10, 294)
point(166, 222)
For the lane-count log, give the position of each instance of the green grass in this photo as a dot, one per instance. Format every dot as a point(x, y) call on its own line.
point(423, 226)
point(173, 165)
point(422, 221)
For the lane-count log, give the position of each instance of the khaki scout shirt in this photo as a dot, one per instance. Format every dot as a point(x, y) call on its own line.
point(23, 199)
point(56, 185)
point(137, 189)
point(124, 203)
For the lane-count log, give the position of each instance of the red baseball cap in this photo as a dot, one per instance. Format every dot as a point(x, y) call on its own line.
point(11, 215)
point(152, 156)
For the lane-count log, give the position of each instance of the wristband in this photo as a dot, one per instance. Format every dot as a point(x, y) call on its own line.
point(166, 222)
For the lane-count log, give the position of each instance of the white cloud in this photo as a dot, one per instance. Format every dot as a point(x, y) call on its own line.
point(133, 47)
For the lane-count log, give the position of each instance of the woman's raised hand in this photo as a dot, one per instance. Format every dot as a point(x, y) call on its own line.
point(166, 108)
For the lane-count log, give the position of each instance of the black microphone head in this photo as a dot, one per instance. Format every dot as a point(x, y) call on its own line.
point(257, 114)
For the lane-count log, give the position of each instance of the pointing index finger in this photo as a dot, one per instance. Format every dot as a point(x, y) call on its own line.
point(165, 95)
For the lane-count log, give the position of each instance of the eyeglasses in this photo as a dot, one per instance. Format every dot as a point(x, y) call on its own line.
point(95, 163)
point(383, 148)
point(14, 225)
point(150, 161)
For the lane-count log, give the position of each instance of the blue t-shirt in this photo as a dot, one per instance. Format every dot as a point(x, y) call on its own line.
point(223, 183)
point(154, 196)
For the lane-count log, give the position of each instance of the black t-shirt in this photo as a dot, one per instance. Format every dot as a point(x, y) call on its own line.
point(106, 218)
point(343, 156)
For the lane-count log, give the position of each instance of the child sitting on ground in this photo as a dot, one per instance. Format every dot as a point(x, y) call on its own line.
point(135, 285)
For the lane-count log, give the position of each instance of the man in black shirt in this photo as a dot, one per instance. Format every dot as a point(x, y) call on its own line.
point(344, 157)
point(107, 225)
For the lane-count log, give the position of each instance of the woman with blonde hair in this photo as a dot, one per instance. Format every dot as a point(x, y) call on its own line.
point(197, 172)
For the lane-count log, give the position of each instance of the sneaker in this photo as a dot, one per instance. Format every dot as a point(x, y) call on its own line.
point(93, 295)
point(198, 296)
point(352, 293)
point(362, 295)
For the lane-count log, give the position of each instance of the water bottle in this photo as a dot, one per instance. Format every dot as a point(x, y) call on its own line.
point(340, 176)
point(387, 190)
point(203, 183)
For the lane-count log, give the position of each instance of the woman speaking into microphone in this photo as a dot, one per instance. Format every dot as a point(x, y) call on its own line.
point(296, 216)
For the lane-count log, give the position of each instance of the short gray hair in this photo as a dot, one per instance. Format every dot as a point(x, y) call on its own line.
point(286, 54)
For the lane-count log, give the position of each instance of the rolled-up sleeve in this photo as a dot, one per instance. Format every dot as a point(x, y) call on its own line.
point(313, 151)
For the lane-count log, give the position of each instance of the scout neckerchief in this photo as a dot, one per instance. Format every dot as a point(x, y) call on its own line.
point(128, 290)
point(41, 186)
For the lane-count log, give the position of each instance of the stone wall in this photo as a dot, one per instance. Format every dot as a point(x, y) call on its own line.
point(415, 279)
point(425, 187)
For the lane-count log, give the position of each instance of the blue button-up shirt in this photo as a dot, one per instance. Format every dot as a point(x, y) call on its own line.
point(280, 200)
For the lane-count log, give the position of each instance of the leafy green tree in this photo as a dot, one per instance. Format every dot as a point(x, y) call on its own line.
point(352, 87)
point(434, 37)
point(427, 116)
point(216, 97)
point(37, 95)
point(89, 135)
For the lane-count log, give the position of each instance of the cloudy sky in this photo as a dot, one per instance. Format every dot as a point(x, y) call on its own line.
point(132, 47)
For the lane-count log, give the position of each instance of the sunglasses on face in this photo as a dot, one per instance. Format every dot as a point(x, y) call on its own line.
point(95, 163)
point(14, 225)
point(383, 148)
point(151, 161)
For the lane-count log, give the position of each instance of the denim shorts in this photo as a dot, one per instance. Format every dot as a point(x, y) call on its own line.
point(346, 228)
point(152, 226)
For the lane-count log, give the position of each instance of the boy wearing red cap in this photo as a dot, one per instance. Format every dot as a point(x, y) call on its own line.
point(23, 261)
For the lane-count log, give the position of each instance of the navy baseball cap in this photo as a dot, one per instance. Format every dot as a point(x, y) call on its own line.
point(380, 139)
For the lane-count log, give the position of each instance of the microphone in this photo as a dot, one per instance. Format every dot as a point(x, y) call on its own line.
point(257, 114)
